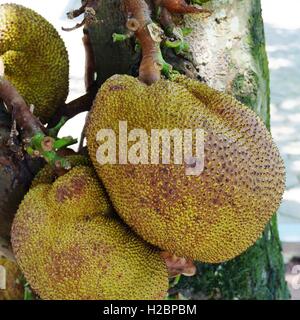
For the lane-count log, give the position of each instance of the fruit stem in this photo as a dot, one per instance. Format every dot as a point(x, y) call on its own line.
point(53, 132)
point(64, 143)
point(46, 147)
point(140, 23)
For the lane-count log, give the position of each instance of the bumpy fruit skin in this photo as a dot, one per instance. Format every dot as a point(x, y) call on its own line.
point(47, 174)
point(69, 248)
point(212, 217)
point(35, 58)
point(14, 288)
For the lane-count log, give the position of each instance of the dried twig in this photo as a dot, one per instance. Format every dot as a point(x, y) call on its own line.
point(77, 12)
point(89, 9)
point(77, 26)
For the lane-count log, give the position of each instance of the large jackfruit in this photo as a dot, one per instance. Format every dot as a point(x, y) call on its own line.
point(35, 59)
point(212, 217)
point(69, 247)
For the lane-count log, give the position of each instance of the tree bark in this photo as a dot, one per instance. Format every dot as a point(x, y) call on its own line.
point(228, 50)
point(16, 174)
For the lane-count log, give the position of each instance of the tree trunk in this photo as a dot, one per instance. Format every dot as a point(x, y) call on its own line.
point(228, 50)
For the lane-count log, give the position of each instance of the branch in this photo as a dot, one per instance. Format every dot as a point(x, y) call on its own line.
point(77, 12)
point(17, 106)
point(34, 135)
point(180, 6)
point(90, 64)
point(77, 26)
point(140, 22)
point(75, 107)
point(89, 9)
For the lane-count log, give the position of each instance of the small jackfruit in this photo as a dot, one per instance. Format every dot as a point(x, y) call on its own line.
point(69, 248)
point(211, 217)
point(35, 59)
point(11, 287)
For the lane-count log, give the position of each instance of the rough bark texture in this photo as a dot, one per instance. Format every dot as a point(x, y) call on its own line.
point(229, 51)
point(15, 175)
point(5, 250)
point(112, 58)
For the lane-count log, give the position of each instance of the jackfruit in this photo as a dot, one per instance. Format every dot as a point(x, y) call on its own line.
point(11, 287)
point(69, 248)
point(212, 217)
point(35, 59)
point(48, 174)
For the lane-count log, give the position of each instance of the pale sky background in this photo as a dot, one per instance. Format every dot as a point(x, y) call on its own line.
point(281, 18)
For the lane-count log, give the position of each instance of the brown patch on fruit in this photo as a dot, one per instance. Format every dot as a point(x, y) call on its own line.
point(116, 88)
point(74, 190)
point(65, 264)
point(102, 249)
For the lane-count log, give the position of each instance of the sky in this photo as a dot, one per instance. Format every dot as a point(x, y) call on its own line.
point(282, 14)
